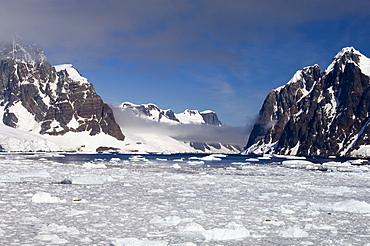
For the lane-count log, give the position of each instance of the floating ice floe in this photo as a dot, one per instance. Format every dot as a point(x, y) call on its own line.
point(219, 155)
point(344, 167)
point(213, 157)
point(239, 163)
point(296, 163)
point(89, 180)
point(195, 163)
point(293, 232)
point(10, 179)
point(156, 191)
point(267, 195)
point(54, 239)
point(349, 206)
point(264, 157)
point(137, 242)
point(357, 161)
point(231, 231)
point(290, 157)
point(176, 166)
point(17, 177)
point(54, 228)
point(43, 197)
point(319, 227)
point(167, 221)
point(285, 210)
point(94, 165)
point(183, 244)
point(138, 158)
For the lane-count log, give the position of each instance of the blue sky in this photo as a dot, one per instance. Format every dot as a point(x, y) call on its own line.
point(190, 54)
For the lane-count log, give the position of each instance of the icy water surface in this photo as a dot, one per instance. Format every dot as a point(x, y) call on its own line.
point(75, 199)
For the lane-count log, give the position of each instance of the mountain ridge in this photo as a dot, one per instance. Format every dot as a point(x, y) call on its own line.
point(318, 113)
point(49, 100)
point(152, 112)
point(51, 108)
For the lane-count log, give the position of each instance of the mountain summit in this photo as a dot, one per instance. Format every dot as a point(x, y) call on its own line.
point(49, 100)
point(153, 113)
point(318, 113)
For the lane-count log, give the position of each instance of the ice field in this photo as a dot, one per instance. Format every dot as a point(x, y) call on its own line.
point(48, 199)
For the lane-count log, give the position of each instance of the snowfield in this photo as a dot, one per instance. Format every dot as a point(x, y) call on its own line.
point(49, 199)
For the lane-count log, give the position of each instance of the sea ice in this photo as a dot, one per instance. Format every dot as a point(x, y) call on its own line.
point(94, 165)
point(195, 162)
point(285, 210)
point(319, 227)
point(213, 157)
point(296, 163)
point(176, 166)
point(350, 206)
point(167, 221)
point(183, 244)
point(89, 180)
point(231, 231)
point(54, 228)
point(137, 242)
point(10, 179)
point(43, 197)
point(54, 239)
point(293, 232)
point(193, 205)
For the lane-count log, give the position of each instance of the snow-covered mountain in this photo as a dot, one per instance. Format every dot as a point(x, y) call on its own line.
point(55, 102)
point(318, 113)
point(49, 108)
point(151, 129)
point(154, 113)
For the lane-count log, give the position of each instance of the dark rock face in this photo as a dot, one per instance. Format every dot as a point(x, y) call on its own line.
point(210, 118)
point(202, 146)
point(317, 113)
point(54, 100)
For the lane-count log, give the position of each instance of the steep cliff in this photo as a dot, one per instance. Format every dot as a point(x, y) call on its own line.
point(49, 100)
point(318, 113)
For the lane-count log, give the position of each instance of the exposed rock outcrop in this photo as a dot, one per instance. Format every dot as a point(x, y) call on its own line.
point(318, 113)
point(52, 100)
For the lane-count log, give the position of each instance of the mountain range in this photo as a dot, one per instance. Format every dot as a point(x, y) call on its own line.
point(154, 113)
point(49, 108)
point(318, 113)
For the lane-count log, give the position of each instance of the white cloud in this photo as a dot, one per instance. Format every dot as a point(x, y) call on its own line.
point(184, 132)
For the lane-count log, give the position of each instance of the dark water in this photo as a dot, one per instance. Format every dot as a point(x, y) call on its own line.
point(214, 160)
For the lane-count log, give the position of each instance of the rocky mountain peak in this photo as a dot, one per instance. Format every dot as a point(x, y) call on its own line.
point(318, 113)
point(43, 99)
point(19, 52)
point(348, 55)
point(154, 113)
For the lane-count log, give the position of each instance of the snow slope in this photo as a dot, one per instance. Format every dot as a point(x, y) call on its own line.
point(153, 113)
point(12, 139)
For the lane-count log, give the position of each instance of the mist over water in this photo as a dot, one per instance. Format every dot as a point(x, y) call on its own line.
point(184, 132)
